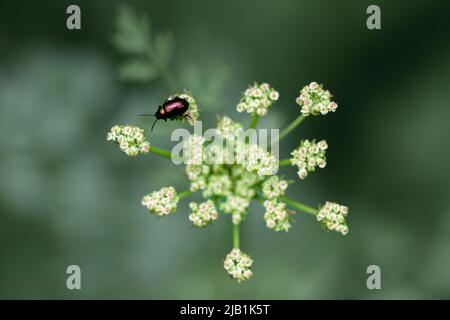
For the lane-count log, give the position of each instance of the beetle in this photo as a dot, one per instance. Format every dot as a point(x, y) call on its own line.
point(171, 109)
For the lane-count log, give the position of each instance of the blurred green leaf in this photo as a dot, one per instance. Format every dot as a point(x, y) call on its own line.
point(137, 70)
point(148, 55)
point(133, 32)
point(208, 81)
point(163, 48)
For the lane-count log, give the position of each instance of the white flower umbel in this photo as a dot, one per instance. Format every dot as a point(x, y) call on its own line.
point(218, 185)
point(228, 128)
point(276, 216)
point(130, 139)
point(203, 214)
point(274, 187)
point(261, 161)
point(315, 100)
point(238, 265)
point(332, 217)
point(237, 206)
point(308, 156)
point(234, 183)
point(257, 99)
point(232, 170)
point(162, 202)
point(193, 111)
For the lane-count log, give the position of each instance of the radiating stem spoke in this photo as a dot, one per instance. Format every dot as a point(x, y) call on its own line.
point(300, 206)
point(284, 162)
point(184, 194)
point(254, 122)
point(291, 127)
point(161, 152)
point(235, 236)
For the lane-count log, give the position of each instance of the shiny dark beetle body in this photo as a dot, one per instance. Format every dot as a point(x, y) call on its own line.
point(172, 109)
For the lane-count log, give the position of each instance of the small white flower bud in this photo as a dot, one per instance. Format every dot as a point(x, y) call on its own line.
point(274, 95)
point(313, 85)
point(302, 173)
point(332, 106)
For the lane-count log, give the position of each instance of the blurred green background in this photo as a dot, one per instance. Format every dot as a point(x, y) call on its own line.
point(69, 197)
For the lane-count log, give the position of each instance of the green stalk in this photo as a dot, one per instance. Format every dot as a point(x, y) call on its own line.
point(235, 236)
point(284, 162)
point(184, 194)
point(161, 152)
point(254, 122)
point(291, 127)
point(300, 206)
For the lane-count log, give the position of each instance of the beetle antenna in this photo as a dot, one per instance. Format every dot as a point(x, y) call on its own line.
point(147, 115)
point(154, 124)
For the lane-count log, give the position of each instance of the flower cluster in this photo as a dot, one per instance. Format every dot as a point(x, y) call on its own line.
point(162, 202)
point(315, 100)
point(229, 129)
point(231, 170)
point(274, 187)
point(238, 265)
point(261, 161)
point(332, 217)
point(237, 206)
point(257, 99)
point(308, 156)
point(203, 214)
point(193, 110)
point(130, 139)
point(234, 183)
point(276, 215)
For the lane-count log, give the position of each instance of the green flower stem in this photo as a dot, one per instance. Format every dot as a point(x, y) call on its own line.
point(284, 162)
point(254, 122)
point(300, 206)
point(235, 236)
point(184, 194)
point(161, 152)
point(291, 127)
